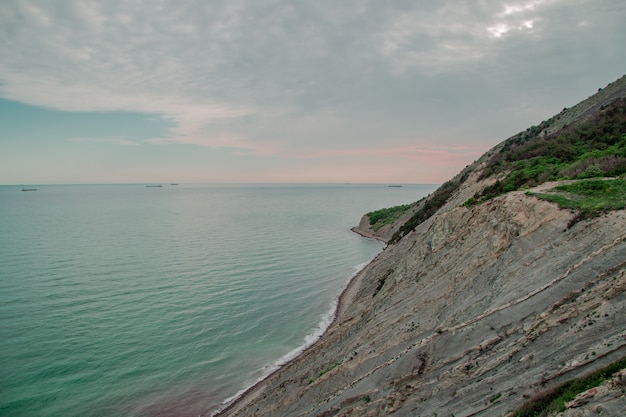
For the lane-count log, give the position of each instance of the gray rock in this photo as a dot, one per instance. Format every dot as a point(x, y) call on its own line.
point(473, 313)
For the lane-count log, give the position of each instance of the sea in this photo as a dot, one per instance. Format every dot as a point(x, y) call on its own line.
point(135, 300)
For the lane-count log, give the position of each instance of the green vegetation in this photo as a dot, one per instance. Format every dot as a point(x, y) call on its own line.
point(328, 369)
point(590, 197)
point(553, 401)
point(592, 148)
point(495, 397)
point(381, 282)
point(595, 148)
point(431, 204)
point(381, 217)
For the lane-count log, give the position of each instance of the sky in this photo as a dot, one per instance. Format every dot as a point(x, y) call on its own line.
point(287, 91)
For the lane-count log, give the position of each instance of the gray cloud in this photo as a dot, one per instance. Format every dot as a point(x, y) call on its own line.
point(278, 77)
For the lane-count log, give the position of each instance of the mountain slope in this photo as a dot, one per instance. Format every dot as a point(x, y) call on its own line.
point(475, 309)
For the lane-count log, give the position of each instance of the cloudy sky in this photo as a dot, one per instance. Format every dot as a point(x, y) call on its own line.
point(287, 91)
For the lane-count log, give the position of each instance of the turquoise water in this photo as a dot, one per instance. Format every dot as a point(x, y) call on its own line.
point(123, 300)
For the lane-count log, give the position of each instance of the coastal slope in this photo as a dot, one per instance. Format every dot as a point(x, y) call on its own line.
point(484, 299)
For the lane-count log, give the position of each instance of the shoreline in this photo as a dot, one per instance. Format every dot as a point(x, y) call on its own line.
point(368, 235)
point(345, 299)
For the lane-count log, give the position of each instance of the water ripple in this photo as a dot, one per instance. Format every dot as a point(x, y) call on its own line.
point(122, 300)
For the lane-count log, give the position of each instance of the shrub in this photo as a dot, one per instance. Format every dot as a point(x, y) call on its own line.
point(553, 400)
point(379, 218)
point(429, 206)
point(589, 197)
point(591, 149)
point(591, 172)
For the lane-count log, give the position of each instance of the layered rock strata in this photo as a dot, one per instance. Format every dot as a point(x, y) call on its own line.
point(473, 313)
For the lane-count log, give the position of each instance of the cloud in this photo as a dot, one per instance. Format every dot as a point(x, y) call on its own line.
point(456, 33)
point(91, 56)
point(284, 78)
point(420, 153)
point(111, 140)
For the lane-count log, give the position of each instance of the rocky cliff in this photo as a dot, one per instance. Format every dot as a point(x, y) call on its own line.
point(475, 310)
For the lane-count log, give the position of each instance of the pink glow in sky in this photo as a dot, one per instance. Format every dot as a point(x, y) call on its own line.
point(257, 91)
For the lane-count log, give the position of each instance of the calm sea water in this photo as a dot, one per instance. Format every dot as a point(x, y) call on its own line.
point(123, 300)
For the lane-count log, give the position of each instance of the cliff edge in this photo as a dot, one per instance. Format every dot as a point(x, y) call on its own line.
point(489, 295)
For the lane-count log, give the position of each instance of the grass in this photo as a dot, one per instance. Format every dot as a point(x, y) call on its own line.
point(595, 148)
point(589, 197)
point(551, 151)
point(382, 217)
point(554, 400)
point(429, 207)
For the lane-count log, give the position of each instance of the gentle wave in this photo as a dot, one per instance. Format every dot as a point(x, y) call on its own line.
point(117, 300)
point(309, 340)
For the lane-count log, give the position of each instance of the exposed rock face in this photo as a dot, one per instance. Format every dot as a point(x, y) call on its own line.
point(608, 399)
point(365, 230)
point(385, 233)
point(473, 312)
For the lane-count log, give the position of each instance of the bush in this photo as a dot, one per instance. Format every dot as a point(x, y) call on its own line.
point(553, 401)
point(590, 197)
point(591, 172)
point(430, 205)
point(379, 218)
point(592, 149)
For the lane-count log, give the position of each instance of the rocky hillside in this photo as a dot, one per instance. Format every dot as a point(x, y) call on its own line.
point(490, 296)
